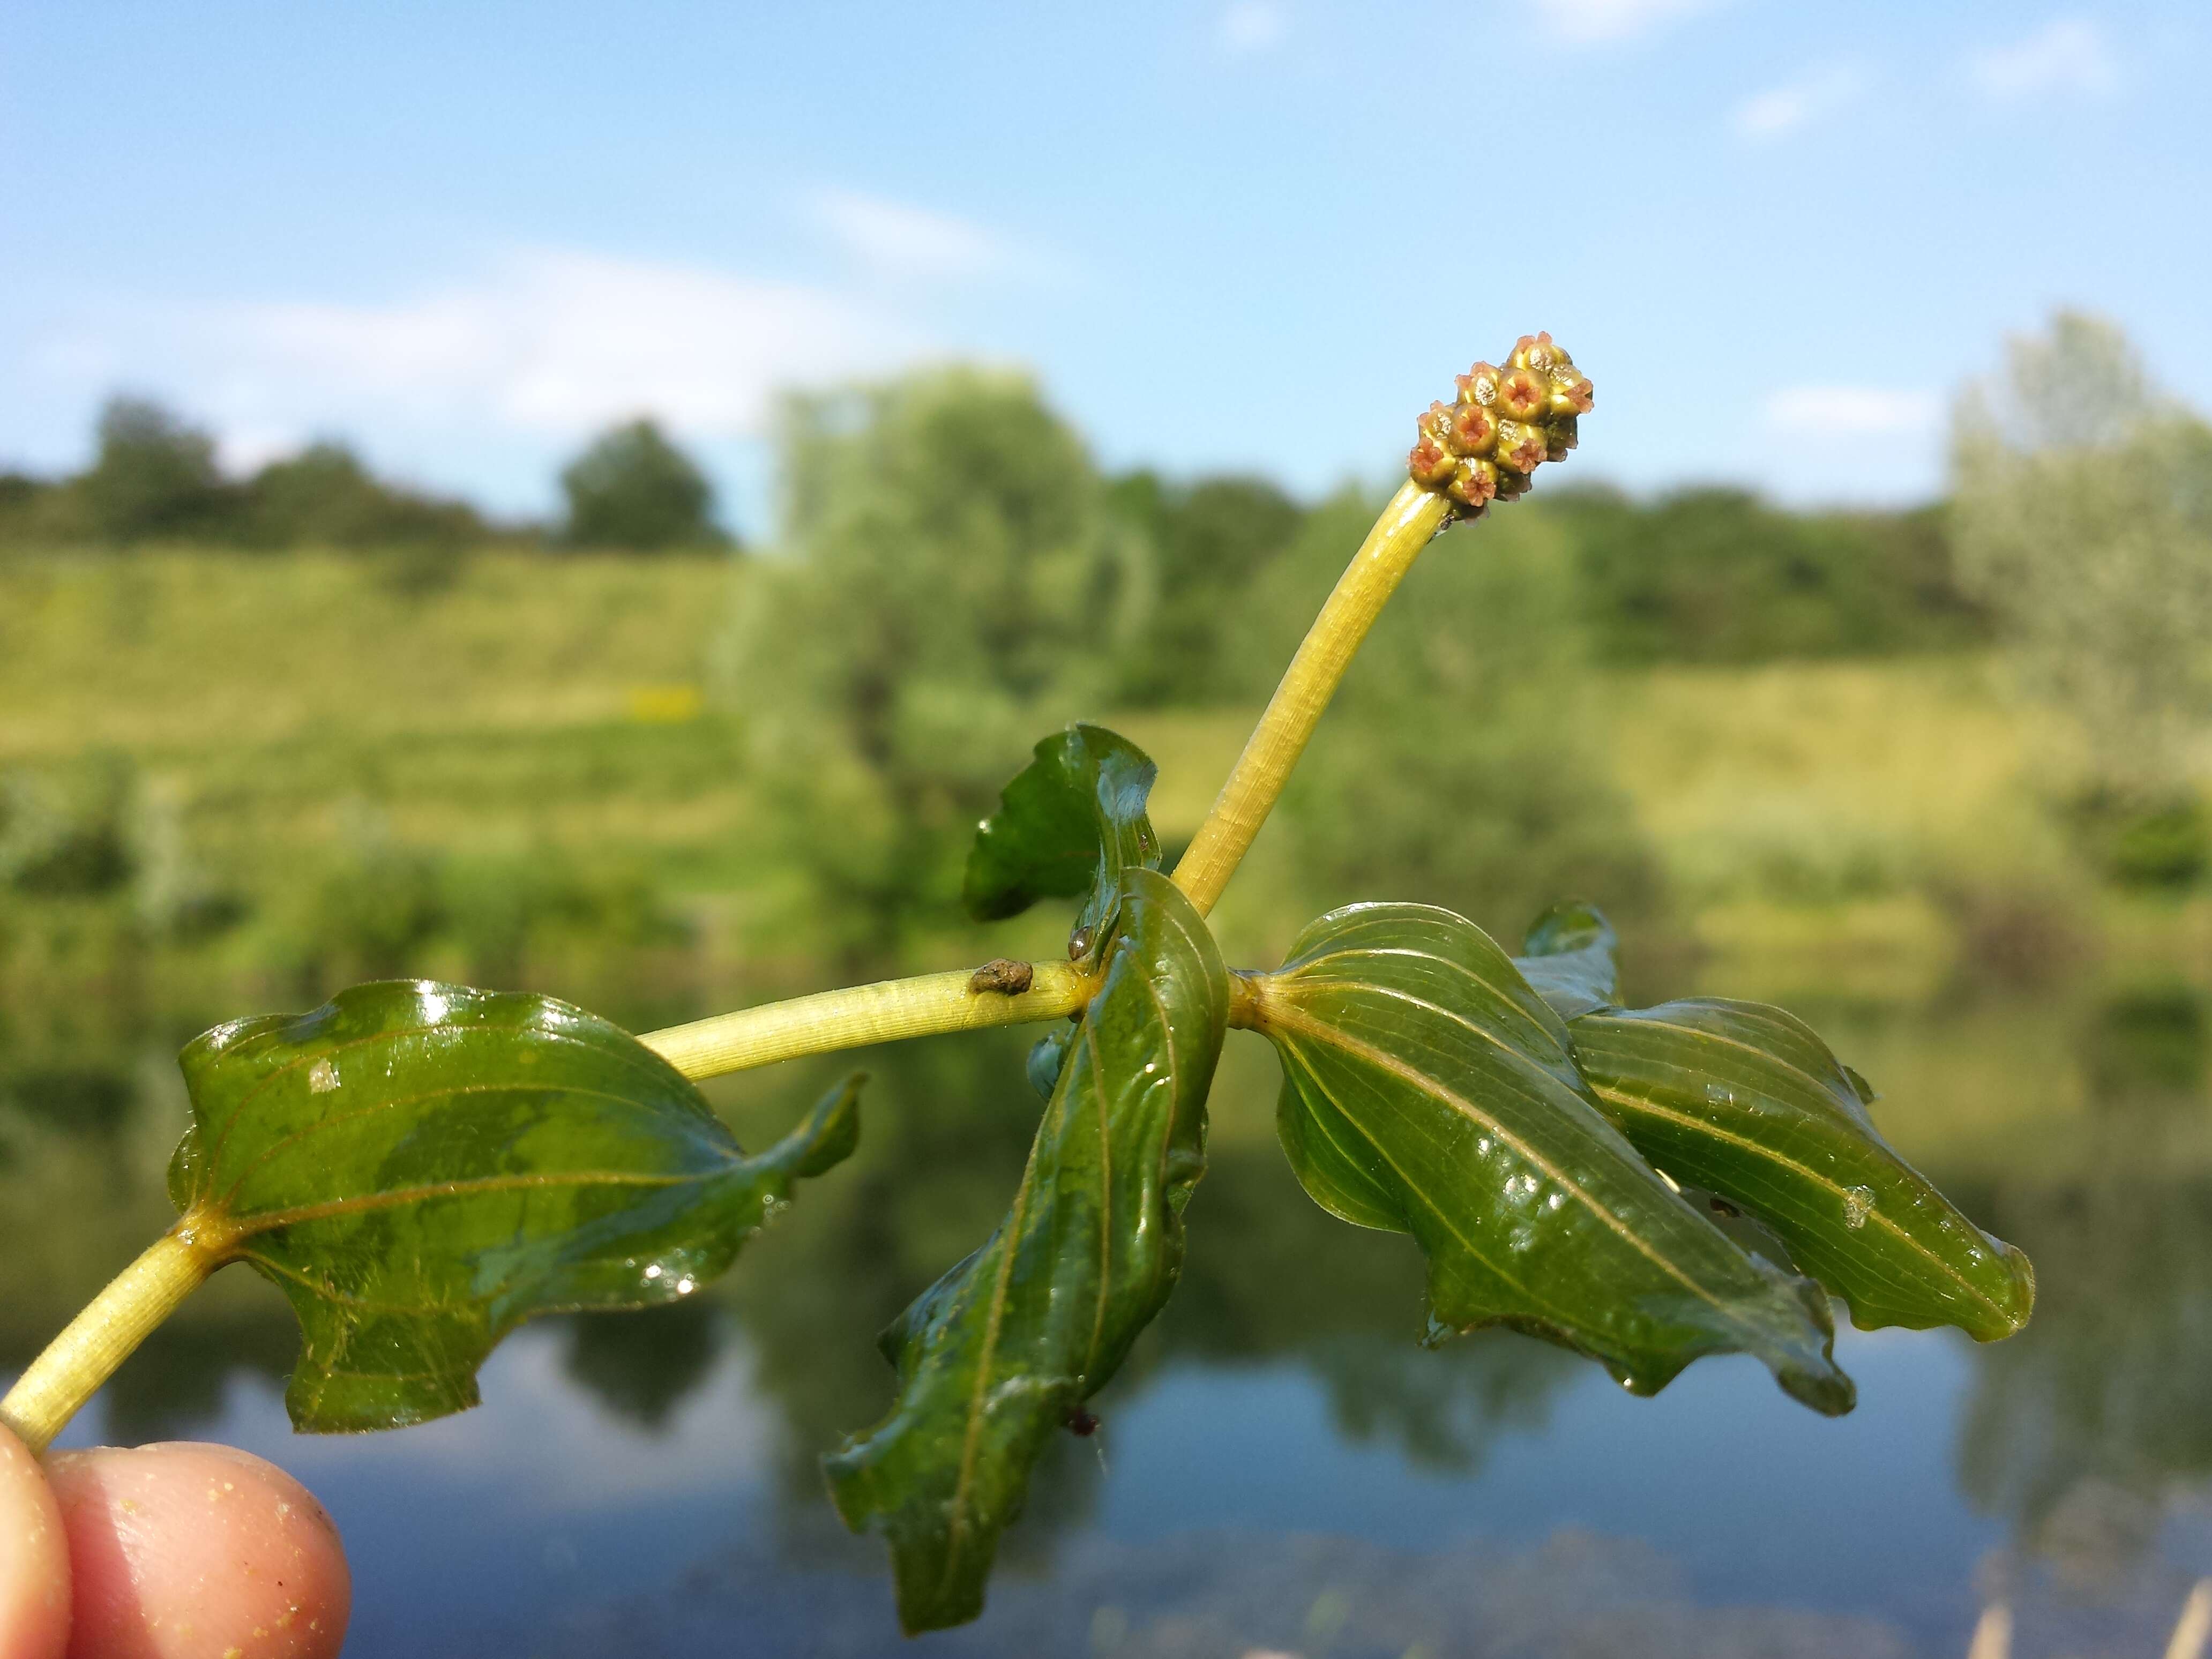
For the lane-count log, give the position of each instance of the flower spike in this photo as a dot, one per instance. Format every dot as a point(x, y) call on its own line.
point(1502, 426)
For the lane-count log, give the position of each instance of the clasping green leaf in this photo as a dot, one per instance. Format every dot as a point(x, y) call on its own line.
point(1068, 824)
point(1747, 1102)
point(422, 1167)
point(1568, 958)
point(1004, 1349)
point(1429, 1090)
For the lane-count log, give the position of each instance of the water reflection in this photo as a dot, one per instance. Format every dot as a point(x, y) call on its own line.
point(650, 1484)
point(2146, 1049)
point(2084, 1436)
point(641, 1365)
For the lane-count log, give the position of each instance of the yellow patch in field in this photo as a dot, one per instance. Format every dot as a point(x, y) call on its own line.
point(665, 705)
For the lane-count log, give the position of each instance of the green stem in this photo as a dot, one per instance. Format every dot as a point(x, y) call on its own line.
point(882, 1013)
point(86, 1353)
point(1408, 523)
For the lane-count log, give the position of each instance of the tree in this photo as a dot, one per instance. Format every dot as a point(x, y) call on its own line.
point(1211, 540)
point(35, 512)
point(324, 497)
point(953, 582)
point(154, 474)
point(2083, 518)
point(1717, 575)
point(633, 489)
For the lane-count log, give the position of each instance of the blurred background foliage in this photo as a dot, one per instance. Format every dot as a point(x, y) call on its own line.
point(951, 587)
point(304, 723)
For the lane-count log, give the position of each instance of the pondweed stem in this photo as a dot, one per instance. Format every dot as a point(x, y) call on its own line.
point(882, 1013)
point(86, 1353)
point(1408, 523)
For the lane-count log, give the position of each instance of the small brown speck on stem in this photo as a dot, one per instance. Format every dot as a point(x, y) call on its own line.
point(1002, 977)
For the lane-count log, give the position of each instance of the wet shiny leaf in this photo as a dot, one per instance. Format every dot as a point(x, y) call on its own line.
point(1047, 1056)
point(1067, 826)
point(1428, 1089)
point(1568, 957)
point(1003, 1351)
point(422, 1167)
point(1746, 1101)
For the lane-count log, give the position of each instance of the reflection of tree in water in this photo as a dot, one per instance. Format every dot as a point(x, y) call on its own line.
point(2081, 1429)
point(87, 1116)
point(2146, 1049)
point(1446, 1408)
point(640, 1365)
point(75, 1099)
point(90, 1105)
point(1272, 1276)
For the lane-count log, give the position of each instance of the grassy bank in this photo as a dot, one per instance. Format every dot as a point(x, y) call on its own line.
point(527, 755)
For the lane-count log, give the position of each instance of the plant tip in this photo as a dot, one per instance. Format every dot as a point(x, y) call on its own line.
point(1502, 424)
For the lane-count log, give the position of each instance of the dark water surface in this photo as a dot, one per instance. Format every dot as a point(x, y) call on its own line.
point(1281, 1469)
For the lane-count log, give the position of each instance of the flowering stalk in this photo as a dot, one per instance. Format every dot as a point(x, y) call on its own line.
point(1484, 445)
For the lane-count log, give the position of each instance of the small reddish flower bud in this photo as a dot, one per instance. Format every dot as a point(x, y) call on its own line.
point(1478, 386)
point(1571, 395)
point(1431, 465)
point(1538, 352)
point(1474, 482)
point(1521, 446)
point(1474, 430)
point(1522, 394)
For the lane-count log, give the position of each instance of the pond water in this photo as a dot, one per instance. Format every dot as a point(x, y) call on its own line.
point(1281, 1469)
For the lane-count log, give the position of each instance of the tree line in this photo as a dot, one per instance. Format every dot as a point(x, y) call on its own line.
point(1700, 574)
point(154, 477)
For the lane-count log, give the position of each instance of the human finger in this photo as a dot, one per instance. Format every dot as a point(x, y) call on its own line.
point(34, 1566)
point(177, 1551)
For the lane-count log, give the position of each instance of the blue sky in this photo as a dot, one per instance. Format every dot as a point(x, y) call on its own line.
point(1253, 234)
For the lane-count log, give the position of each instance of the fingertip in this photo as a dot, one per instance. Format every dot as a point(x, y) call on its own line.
point(34, 1563)
point(190, 1550)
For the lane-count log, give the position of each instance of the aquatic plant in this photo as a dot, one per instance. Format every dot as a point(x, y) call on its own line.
point(421, 1167)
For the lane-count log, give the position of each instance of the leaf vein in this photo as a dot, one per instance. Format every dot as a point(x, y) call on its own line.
point(1451, 1098)
point(1759, 1149)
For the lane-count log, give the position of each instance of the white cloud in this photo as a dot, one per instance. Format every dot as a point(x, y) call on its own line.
point(1856, 411)
point(1591, 22)
point(556, 342)
point(2070, 54)
point(1784, 110)
point(897, 240)
point(1251, 27)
